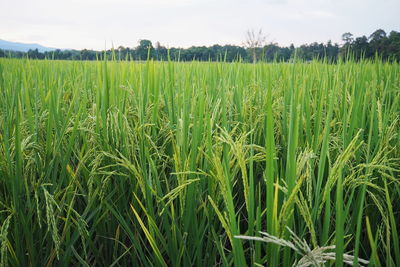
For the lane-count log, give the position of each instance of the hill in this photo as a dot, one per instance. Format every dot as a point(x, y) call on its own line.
point(23, 47)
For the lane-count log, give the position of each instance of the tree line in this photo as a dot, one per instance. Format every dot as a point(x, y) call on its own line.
point(379, 43)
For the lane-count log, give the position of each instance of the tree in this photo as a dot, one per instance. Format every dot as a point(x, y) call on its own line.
point(377, 35)
point(361, 47)
point(385, 45)
point(34, 54)
point(394, 45)
point(347, 37)
point(379, 42)
point(254, 41)
point(271, 51)
point(332, 51)
point(161, 52)
point(143, 49)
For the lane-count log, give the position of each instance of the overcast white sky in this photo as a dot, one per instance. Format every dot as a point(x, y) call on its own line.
point(181, 23)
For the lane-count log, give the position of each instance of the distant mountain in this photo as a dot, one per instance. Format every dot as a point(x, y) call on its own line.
point(14, 46)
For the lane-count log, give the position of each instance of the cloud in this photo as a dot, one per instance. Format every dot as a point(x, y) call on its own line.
point(320, 14)
point(279, 2)
point(89, 23)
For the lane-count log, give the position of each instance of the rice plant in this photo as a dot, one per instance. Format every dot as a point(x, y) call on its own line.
point(315, 257)
point(122, 163)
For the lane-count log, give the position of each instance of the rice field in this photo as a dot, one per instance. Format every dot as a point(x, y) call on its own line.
point(116, 163)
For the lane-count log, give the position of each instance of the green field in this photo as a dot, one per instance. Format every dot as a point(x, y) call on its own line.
point(165, 163)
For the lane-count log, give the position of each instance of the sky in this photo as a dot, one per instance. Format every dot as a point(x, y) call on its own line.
point(96, 24)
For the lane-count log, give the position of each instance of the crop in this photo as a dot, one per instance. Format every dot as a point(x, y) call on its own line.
point(117, 163)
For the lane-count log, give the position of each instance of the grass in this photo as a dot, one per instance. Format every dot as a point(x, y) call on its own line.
point(164, 163)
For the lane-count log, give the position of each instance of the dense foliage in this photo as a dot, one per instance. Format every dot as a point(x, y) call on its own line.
point(164, 163)
point(378, 43)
